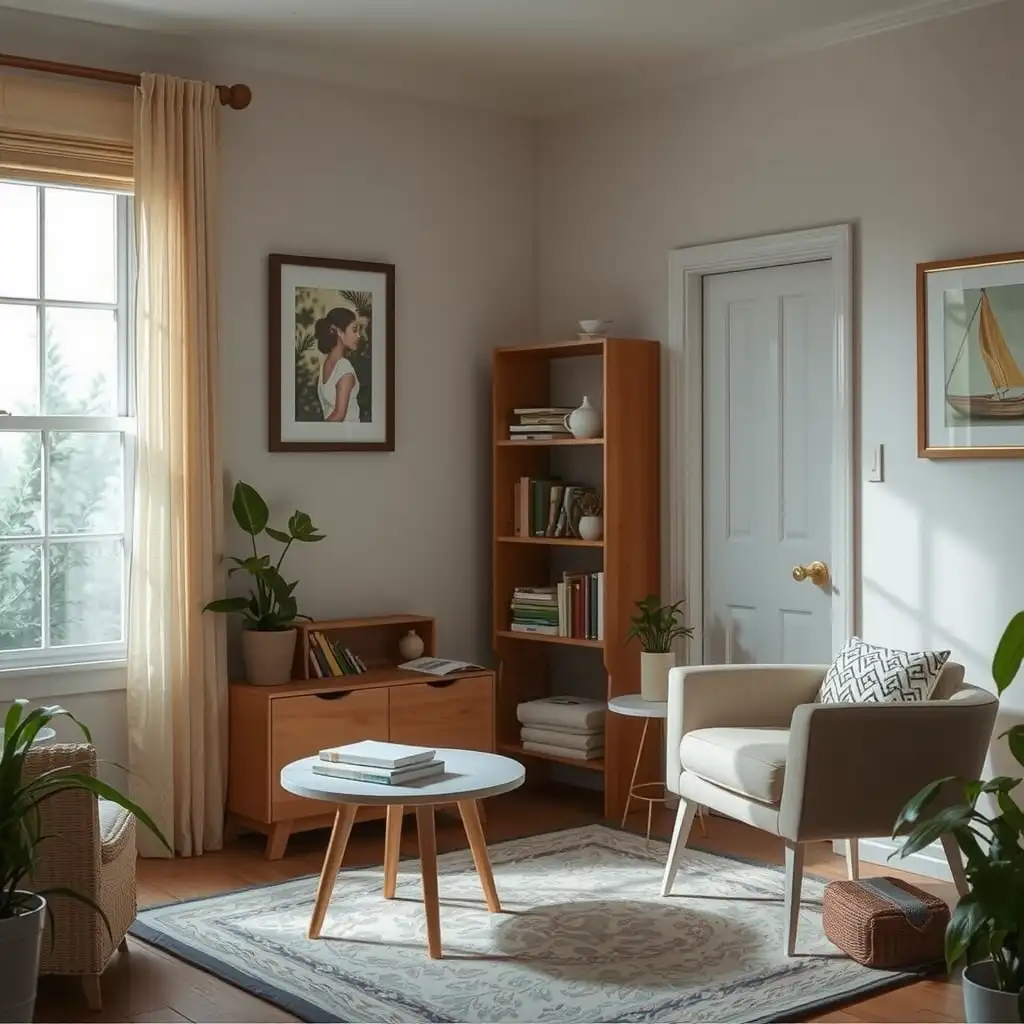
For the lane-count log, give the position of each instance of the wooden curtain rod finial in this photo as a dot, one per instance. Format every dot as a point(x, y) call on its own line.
point(237, 97)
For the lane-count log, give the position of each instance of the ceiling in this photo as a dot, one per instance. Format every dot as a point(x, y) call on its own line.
point(531, 56)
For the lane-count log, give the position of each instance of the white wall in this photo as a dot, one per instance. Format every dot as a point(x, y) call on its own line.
point(448, 197)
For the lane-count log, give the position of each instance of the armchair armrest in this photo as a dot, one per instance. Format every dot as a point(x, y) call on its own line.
point(707, 696)
point(851, 768)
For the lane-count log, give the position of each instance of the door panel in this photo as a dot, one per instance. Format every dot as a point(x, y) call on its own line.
point(767, 463)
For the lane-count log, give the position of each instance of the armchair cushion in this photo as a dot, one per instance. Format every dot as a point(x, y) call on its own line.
point(751, 762)
point(866, 674)
point(115, 830)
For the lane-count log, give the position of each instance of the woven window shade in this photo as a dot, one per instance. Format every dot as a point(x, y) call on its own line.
point(67, 132)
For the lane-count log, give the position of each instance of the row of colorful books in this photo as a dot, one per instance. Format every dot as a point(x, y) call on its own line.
point(387, 764)
point(549, 508)
point(539, 423)
point(573, 607)
point(328, 658)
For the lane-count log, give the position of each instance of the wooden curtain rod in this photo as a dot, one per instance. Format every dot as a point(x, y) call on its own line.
point(237, 97)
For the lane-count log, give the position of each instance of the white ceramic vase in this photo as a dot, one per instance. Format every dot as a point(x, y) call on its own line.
point(410, 646)
point(19, 962)
point(268, 655)
point(983, 1002)
point(584, 421)
point(591, 527)
point(654, 669)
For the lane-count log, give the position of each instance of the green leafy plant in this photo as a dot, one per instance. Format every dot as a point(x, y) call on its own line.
point(271, 604)
point(988, 922)
point(20, 802)
point(656, 626)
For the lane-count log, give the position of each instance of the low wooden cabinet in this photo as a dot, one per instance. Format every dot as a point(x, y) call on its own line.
point(270, 726)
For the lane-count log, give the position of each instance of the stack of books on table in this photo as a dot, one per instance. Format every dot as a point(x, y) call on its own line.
point(539, 423)
point(389, 764)
point(568, 727)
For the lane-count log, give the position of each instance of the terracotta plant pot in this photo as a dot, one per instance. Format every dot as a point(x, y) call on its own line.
point(654, 669)
point(983, 1002)
point(268, 655)
point(19, 961)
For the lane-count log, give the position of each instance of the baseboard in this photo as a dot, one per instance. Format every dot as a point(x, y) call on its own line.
point(931, 861)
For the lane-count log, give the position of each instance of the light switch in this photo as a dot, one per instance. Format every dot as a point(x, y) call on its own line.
point(876, 469)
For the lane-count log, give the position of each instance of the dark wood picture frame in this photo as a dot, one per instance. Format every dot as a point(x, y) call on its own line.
point(276, 262)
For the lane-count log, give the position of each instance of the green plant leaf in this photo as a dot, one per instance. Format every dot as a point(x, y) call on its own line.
point(1009, 653)
point(916, 806)
point(964, 923)
point(1015, 739)
point(948, 819)
point(250, 510)
point(228, 605)
point(279, 535)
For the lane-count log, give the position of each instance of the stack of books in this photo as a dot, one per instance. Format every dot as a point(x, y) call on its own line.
point(547, 508)
point(539, 423)
point(535, 610)
point(328, 658)
point(573, 608)
point(387, 764)
point(566, 727)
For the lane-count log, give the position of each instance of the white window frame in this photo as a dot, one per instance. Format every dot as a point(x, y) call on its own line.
point(44, 659)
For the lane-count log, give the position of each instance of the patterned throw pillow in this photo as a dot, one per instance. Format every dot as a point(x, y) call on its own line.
point(865, 674)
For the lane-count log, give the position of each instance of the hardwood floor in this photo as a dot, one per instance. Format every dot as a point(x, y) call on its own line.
point(146, 984)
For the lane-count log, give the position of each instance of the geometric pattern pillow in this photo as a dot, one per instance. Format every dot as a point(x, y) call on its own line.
point(866, 674)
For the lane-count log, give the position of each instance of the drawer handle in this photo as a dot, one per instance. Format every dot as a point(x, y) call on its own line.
point(336, 695)
point(440, 684)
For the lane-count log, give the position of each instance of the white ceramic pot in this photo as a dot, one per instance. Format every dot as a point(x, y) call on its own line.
point(591, 527)
point(654, 669)
point(268, 655)
point(983, 1002)
point(19, 961)
point(410, 646)
point(584, 421)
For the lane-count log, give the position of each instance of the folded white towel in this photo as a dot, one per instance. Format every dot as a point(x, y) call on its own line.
point(564, 712)
point(577, 741)
point(575, 755)
point(570, 730)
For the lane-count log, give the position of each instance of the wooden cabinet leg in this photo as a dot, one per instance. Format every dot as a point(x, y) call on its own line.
point(478, 846)
point(280, 833)
point(428, 867)
point(343, 819)
point(392, 848)
point(91, 988)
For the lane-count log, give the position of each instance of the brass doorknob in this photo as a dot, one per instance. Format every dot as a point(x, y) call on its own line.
point(816, 572)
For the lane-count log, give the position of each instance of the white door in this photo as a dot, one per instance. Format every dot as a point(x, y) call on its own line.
point(768, 394)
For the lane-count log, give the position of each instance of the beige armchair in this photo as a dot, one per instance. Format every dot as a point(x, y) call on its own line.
point(749, 741)
point(91, 849)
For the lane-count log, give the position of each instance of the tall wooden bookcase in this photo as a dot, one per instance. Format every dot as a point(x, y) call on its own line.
point(625, 464)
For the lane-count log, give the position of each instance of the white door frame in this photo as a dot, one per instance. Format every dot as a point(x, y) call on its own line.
point(687, 268)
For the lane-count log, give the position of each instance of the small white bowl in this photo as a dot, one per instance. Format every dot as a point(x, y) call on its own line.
point(593, 326)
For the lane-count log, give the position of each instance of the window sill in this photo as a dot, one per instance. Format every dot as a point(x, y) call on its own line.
point(47, 681)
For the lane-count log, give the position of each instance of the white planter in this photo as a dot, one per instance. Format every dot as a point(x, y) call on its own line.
point(591, 527)
point(19, 962)
point(268, 655)
point(654, 669)
point(983, 1002)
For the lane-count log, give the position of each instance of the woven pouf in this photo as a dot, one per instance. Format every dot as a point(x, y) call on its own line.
point(885, 922)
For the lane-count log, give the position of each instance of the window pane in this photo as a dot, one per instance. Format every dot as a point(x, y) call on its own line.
point(19, 359)
point(85, 483)
point(81, 362)
point(20, 503)
point(85, 592)
point(80, 254)
point(21, 596)
point(19, 241)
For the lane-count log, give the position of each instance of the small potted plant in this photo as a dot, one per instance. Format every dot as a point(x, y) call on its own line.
point(657, 627)
point(270, 611)
point(986, 930)
point(591, 524)
point(22, 912)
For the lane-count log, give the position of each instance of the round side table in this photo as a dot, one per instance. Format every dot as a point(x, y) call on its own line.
point(632, 705)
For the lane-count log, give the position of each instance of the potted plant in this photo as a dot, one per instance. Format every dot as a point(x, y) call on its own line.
point(986, 930)
point(656, 626)
point(22, 912)
point(270, 611)
point(591, 524)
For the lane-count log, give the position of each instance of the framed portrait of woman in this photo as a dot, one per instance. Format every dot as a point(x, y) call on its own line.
point(332, 355)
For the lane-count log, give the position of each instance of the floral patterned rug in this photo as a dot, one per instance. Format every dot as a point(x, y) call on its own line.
point(583, 937)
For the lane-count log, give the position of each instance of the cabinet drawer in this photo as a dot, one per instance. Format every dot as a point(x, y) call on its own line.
point(301, 726)
point(448, 713)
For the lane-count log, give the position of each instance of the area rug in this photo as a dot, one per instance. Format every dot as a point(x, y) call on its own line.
point(583, 937)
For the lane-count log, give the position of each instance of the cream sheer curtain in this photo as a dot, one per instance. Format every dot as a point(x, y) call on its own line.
point(177, 679)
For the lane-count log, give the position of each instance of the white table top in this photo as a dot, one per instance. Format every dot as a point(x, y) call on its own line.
point(633, 705)
point(468, 775)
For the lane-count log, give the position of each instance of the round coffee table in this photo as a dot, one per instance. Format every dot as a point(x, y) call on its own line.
point(469, 776)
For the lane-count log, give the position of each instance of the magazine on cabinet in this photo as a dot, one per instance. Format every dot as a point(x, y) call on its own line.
point(440, 666)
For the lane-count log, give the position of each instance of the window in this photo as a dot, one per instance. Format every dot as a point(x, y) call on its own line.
point(66, 431)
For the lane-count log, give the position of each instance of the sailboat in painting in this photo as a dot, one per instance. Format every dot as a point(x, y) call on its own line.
point(1007, 401)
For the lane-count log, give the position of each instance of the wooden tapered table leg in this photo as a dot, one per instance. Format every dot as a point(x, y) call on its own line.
point(478, 847)
point(392, 847)
point(428, 867)
point(332, 862)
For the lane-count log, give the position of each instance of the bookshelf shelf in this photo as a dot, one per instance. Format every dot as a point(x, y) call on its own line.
point(565, 542)
point(544, 638)
point(595, 764)
point(554, 442)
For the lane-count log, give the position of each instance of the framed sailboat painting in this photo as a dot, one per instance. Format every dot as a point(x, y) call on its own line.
point(970, 354)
